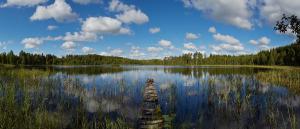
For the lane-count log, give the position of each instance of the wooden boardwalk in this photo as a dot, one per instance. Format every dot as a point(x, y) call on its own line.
point(151, 116)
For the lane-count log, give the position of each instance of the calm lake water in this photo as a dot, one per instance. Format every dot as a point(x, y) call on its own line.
point(189, 97)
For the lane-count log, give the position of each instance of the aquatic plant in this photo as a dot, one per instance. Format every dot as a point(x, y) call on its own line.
point(289, 78)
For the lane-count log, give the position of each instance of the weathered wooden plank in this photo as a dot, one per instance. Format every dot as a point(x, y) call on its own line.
point(151, 117)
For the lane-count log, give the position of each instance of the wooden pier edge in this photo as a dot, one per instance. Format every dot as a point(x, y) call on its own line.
point(151, 116)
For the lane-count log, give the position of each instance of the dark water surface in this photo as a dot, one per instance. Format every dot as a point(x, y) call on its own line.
point(189, 97)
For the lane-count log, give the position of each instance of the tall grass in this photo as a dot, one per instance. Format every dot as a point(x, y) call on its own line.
point(28, 100)
point(233, 102)
point(289, 78)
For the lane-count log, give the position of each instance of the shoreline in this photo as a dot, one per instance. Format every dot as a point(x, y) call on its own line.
point(118, 65)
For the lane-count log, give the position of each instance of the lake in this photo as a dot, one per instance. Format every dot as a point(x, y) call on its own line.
point(189, 97)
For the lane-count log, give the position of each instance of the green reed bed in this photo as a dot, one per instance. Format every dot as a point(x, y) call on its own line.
point(29, 99)
point(240, 104)
point(289, 78)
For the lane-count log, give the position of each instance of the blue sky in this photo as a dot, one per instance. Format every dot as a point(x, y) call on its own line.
point(142, 29)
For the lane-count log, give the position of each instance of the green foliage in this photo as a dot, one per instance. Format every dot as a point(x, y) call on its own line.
point(289, 24)
point(198, 59)
point(287, 55)
point(40, 59)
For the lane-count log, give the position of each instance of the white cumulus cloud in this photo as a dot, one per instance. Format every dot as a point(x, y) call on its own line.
point(128, 13)
point(69, 45)
point(154, 49)
point(272, 10)
point(154, 30)
point(118, 6)
point(190, 46)
point(80, 36)
point(59, 10)
point(32, 42)
point(125, 31)
point(51, 27)
point(264, 40)
point(212, 29)
point(94, 27)
point(229, 45)
point(136, 52)
point(226, 38)
point(3, 45)
point(187, 51)
point(234, 12)
point(133, 16)
point(85, 2)
point(262, 43)
point(228, 48)
point(88, 50)
point(101, 25)
point(116, 52)
point(166, 44)
point(191, 36)
point(19, 3)
point(254, 42)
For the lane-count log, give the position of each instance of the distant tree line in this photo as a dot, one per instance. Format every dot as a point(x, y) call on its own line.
point(24, 58)
point(199, 59)
point(40, 59)
point(287, 55)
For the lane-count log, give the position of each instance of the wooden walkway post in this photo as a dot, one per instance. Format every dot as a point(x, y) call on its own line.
point(151, 116)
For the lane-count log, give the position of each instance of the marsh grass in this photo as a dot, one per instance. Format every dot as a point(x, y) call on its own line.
point(289, 78)
point(29, 101)
point(234, 103)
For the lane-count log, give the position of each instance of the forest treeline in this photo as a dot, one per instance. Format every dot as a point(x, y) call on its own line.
point(24, 58)
point(287, 55)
